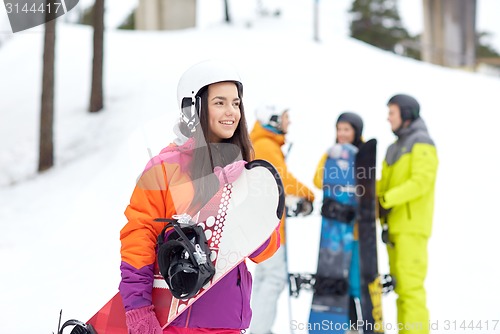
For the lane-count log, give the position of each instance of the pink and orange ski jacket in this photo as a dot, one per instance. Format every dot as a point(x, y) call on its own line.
point(163, 190)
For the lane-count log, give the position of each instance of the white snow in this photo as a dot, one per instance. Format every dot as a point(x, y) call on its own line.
point(59, 241)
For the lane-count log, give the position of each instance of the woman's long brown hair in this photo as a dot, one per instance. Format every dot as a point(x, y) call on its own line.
point(206, 158)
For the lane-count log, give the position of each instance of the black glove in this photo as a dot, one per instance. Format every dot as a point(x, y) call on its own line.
point(297, 206)
point(385, 235)
point(304, 207)
point(382, 212)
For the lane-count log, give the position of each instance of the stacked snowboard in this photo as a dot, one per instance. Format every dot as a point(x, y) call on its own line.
point(347, 286)
point(330, 303)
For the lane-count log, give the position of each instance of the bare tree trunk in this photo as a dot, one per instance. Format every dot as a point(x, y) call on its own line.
point(46, 148)
point(316, 20)
point(469, 21)
point(449, 32)
point(227, 17)
point(96, 94)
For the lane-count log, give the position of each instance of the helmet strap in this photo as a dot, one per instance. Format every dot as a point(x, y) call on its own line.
point(190, 112)
point(275, 121)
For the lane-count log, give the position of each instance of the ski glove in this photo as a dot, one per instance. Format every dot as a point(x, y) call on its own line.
point(385, 236)
point(304, 208)
point(143, 321)
point(382, 212)
point(297, 206)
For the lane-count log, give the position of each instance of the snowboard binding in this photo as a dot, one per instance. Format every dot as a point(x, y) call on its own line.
point(388, 283)
point(327, 286)
point(332, 209)
point(297, 282)
point(79, 327)
point(320, 284)
point(184, 257)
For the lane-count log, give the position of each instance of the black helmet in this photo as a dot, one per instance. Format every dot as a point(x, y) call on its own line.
point(184, 258)
point(408, 106)
point(357, 124)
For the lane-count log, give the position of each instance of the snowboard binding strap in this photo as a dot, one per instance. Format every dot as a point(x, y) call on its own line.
point(388, 283)
point(332, 209)
point(184, 257)
point(297, 282)
point(330, 286)
point(323, 285)
point(79, 327)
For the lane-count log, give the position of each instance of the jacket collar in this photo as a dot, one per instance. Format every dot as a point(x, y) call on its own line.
point(260, 132)
point(416, 125)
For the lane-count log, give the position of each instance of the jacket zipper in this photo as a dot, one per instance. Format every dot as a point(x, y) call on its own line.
point(238, 283)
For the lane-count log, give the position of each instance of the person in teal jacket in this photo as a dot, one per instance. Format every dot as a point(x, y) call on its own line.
point(406, 206)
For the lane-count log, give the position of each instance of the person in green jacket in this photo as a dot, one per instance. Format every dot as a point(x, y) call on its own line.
point(406, 206)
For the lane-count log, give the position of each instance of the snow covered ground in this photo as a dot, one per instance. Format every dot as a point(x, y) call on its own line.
point(59, 241)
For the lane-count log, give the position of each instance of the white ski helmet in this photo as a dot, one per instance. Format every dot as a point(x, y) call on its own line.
point(203, 74)
point(270, 114)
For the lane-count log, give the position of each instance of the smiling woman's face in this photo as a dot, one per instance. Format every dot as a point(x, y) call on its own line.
point(223, 111)
point(345, 133)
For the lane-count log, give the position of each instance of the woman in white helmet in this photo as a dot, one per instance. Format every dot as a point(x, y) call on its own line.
point(212, 132)
point(268, 137)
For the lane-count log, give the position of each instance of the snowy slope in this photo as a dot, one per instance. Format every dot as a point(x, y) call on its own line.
point(59, 246)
